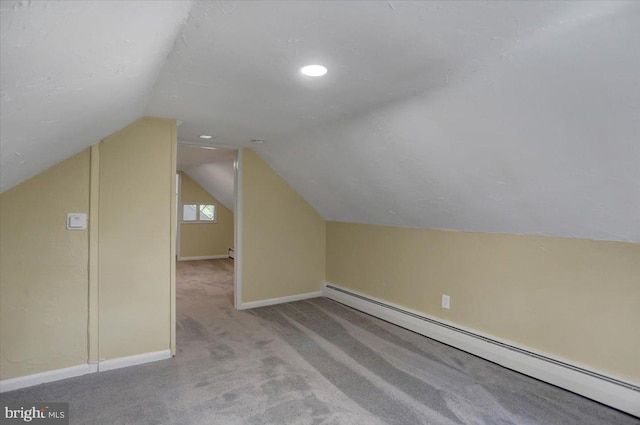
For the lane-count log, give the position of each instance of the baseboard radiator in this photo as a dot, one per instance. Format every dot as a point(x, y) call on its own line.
point(617, 393)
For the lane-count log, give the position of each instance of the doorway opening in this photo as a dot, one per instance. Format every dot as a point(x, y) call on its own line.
point(207, 238)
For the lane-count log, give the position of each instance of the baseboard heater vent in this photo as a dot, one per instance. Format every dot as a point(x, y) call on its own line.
point(570, 376)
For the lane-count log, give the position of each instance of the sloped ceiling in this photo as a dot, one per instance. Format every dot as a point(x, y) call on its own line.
point(212, 168)
point(513, 117)
point(73, 72)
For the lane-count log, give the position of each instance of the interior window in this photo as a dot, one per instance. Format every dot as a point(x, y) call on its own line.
point(195, 213)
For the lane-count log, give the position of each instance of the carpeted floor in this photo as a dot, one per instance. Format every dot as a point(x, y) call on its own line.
point(308, 362)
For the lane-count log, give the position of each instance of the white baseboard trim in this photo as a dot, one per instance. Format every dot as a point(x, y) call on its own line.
point(203, 257)
point(598, 386)
point(44, 377)
point(121, 362)
point(79, 370)
point(281, 300)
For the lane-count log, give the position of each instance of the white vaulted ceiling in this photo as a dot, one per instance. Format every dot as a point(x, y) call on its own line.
point(212, 169)
point(73, 72)
point(513, 117)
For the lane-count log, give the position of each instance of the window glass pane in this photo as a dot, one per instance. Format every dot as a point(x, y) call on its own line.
point(189, 212)
point(207, 212)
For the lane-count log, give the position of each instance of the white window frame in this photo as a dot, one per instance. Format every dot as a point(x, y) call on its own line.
point(197, 220)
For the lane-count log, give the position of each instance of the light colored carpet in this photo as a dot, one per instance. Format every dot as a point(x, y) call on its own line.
point(308, 362)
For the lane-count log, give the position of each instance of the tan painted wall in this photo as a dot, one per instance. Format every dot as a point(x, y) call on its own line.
point(572, 298)
point(43, 271)
point(283, 243)
point(136, 179)
point(202, 239)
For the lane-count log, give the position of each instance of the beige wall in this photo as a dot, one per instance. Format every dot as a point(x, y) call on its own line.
point(134, 278)
point(43, 271)
point(283, 244)
point(46, 321)
point(572, 298)
point(204, 239)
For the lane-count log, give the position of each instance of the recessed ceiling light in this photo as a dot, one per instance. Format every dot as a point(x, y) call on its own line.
point(257, 141)
point(313, 70)
point(206, 136)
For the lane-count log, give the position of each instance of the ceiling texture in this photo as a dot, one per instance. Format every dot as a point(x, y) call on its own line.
point(509, 117)
point(73, 72)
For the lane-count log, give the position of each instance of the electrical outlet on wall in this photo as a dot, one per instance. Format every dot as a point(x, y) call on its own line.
point(446, 301)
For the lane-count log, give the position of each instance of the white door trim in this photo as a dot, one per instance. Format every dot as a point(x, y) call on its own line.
point(237, 233)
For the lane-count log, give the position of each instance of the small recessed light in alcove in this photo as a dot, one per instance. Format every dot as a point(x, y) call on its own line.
point(313, 70)
point(206, 136)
